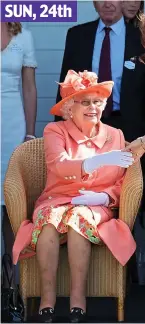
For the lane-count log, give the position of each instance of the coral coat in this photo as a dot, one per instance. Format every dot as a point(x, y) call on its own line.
point(65, 149)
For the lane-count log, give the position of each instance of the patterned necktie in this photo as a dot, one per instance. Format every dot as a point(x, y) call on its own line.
point(104, 73)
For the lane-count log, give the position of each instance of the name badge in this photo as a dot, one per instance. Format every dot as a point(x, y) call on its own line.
point(129, 65)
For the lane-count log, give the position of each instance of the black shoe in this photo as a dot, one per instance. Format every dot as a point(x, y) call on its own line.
point(77, 315)
point(46, 315)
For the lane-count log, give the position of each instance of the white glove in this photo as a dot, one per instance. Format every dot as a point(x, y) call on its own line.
point(118, 158)
point(91, 198)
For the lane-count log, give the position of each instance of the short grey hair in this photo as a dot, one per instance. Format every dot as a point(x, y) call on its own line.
point(66, 109)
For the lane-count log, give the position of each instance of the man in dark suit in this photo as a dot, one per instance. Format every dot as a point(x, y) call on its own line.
point(84, 51)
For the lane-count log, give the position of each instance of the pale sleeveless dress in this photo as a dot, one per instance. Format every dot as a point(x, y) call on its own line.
point(18, 53)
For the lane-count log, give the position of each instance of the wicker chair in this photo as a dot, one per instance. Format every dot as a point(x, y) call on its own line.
point(24, 182)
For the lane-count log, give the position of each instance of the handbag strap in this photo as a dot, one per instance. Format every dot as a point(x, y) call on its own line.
point(7, 271)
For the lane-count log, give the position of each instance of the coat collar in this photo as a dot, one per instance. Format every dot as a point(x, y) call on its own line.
point(99, 140)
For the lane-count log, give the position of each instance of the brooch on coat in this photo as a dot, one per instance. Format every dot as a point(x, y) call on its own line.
point(109, 139)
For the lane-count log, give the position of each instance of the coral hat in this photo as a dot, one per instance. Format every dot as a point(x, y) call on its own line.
point(81, 83)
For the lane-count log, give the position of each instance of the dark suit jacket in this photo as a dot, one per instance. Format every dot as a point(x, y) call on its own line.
point(78, 56)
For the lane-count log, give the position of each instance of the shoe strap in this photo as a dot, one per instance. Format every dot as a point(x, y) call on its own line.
point(77, 310)
point(47, 310)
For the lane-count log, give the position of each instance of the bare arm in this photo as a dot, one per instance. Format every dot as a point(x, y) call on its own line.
point(30, 98)
point(137, 147)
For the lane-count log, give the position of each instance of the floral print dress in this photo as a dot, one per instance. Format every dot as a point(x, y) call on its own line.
point(80, 218)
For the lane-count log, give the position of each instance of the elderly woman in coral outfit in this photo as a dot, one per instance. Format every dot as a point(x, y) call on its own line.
point(85, 170)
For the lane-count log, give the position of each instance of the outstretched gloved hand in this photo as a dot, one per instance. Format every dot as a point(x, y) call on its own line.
point(118, 158)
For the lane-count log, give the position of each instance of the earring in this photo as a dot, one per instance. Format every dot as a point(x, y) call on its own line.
point(70, 114)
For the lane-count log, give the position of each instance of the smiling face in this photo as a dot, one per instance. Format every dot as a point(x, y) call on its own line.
point(130, 8)
point(87, 110)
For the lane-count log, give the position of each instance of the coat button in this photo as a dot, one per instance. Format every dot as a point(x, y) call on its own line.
point(82, 188)
point(74, 177)
point(49, 197)
point(66, 178)
point(70, 177)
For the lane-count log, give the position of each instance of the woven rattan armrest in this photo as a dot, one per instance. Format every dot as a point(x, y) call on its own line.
point(15, 195)
point(131, 194)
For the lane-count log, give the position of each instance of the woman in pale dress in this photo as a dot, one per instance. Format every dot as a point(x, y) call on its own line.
point(17, 120)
